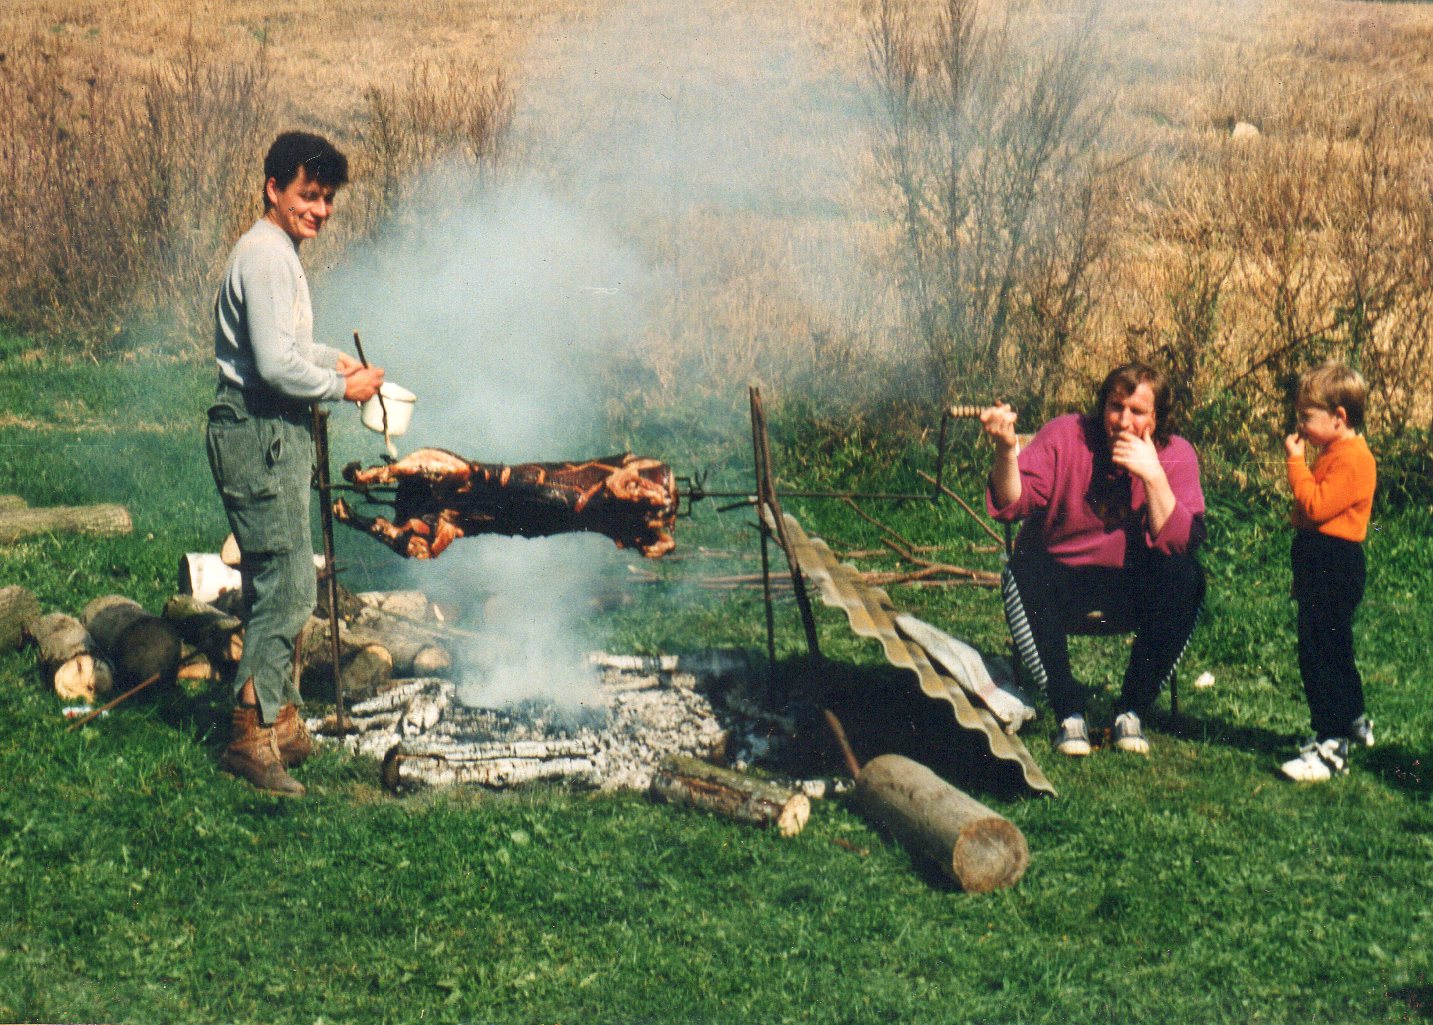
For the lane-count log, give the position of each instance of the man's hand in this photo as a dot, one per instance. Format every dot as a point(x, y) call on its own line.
point(361, 383)
point(1136, 454)
point(1294, 446)
point(346, 364)
point(998, 422)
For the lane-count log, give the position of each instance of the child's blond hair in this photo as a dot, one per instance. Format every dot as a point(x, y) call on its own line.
point(1332, 385)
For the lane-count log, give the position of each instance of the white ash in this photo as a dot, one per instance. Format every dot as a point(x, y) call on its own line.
point(645, 708)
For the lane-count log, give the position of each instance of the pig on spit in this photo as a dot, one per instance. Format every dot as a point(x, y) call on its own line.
point(441, 496)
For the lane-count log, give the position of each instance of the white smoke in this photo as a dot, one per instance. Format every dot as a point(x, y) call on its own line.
point(494, 302)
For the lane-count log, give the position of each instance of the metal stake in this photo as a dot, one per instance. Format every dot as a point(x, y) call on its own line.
point(330, 570)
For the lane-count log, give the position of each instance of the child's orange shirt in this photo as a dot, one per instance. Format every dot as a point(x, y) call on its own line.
point(1336, 496)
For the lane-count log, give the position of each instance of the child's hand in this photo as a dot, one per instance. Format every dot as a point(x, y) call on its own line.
point(1294, 446)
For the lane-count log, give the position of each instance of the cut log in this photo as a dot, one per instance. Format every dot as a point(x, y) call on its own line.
point(690, 781)
point(215, 633)
point(97, 520)
point(18, 607)
point(365, 672)
point(405, 771)
point(138, 645)
point(413, 651)
point(973, 845)
point(408, 604)
point(196, 667)
point(229, 553)
point(70, 661)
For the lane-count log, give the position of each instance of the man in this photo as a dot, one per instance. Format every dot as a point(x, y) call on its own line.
point(1113, 512)
point(260, 449)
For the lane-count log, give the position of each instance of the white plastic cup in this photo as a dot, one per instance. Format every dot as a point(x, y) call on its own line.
point(399, 401)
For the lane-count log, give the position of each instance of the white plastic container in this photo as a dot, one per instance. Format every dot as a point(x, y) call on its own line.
point(398, 400)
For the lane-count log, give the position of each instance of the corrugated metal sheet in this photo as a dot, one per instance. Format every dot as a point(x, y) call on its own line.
point(872, 614)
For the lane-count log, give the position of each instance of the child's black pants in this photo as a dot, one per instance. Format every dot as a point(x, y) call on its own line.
point(1329, 575)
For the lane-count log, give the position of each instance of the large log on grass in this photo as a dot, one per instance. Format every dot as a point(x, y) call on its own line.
point(138, 644)
point(690, 781)
point(213, 631)
point(18, 606)
point(973, 845)
point(98, 520)
point(70, 660)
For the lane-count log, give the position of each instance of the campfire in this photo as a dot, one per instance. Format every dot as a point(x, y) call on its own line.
point(639, 712)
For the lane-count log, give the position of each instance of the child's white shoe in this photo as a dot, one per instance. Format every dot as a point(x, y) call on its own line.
point(1360, 732)
point(1318, 761)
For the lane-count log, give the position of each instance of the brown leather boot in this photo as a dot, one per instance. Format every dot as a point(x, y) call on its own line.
point(253, 754)
point(295, 741)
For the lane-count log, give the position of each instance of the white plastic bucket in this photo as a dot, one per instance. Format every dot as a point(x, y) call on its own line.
point(398, 400)
point(204, 575)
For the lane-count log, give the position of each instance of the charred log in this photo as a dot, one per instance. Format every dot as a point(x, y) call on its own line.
point(138, 645)
point(441, 497)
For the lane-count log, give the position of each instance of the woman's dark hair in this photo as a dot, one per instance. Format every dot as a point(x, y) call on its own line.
point(1123, 380)
point(320, 159)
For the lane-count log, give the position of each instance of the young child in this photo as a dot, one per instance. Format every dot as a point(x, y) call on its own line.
point(1332, 504)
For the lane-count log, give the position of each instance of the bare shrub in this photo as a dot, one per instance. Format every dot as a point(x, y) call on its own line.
point(458, 114)
point(1324, 235)
point(989, 153)
point(117, 195)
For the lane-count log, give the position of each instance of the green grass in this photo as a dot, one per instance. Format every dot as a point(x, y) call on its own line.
point(140, 885)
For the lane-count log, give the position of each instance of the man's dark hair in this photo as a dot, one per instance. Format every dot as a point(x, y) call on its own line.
point(1123, 380)
point(320, 159)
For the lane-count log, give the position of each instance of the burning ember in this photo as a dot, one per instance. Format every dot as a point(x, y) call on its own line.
point(643, 709)
point(442, 496)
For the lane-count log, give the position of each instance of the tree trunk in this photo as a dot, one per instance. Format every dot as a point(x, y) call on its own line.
point(99, 520)
point(217, 634)
point(690, 781)
point(138, 645)
point(18, 607)
point(70, 661)
point(973, 845)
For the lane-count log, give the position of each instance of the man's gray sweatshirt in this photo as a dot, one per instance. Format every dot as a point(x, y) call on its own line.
point(263, 321)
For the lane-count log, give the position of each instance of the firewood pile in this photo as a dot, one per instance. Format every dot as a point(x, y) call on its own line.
point(643, 712)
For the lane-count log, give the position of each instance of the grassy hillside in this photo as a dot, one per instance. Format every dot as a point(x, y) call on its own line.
point(1192, 886)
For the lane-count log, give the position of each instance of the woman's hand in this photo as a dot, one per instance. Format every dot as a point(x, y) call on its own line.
point(998, 422)
point(1136, 454)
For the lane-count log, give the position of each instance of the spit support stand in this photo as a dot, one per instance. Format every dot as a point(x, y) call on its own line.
point(330, 568)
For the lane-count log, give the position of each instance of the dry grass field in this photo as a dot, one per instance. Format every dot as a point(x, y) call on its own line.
point(728, 149)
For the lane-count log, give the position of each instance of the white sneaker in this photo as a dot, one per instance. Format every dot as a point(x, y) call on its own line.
point(1318, 762)
point(1073, 739)
point(1128, 736)
point(1360, 732)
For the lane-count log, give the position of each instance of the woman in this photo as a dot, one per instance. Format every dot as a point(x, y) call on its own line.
point(1113, 512)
